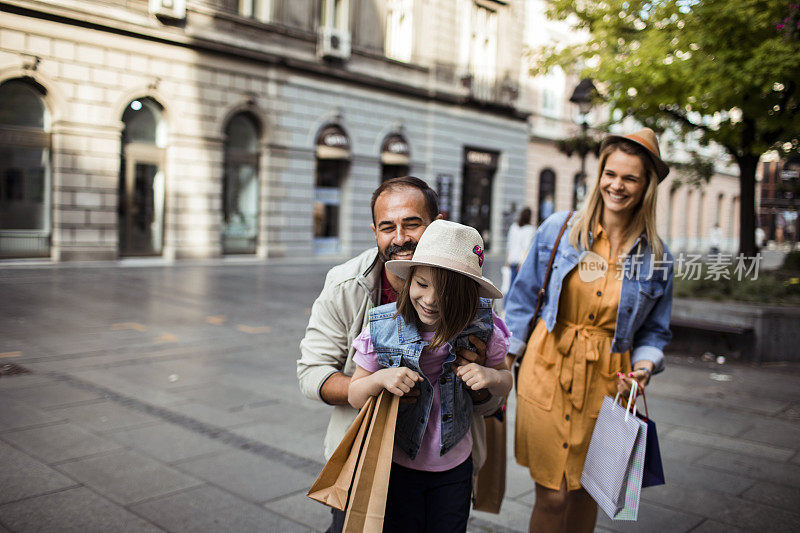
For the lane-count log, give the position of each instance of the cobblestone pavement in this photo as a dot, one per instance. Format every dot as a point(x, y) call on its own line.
point(165, 398)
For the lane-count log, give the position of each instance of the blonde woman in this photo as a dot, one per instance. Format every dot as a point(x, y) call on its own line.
point(604, 321)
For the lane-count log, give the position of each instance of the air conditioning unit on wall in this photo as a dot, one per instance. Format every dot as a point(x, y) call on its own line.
point(168, 9)
point(333, 43)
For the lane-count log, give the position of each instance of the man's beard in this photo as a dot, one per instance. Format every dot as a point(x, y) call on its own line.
point(393, 249)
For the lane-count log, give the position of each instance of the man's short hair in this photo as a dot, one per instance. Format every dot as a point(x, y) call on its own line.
point(431, 198)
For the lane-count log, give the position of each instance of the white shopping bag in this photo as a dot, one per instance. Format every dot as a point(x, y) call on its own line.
point(612, 473)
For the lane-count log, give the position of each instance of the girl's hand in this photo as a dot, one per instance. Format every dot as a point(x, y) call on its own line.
point(397, 380)
point(476, 376)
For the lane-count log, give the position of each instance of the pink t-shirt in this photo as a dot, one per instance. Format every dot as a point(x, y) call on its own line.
point(428, 457)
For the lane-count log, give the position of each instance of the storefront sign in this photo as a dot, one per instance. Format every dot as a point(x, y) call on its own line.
point(395, 150)
point(787, 175)
point(333, 143)
point(485, 159)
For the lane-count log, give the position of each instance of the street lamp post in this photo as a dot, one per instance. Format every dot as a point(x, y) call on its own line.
point(583, 96)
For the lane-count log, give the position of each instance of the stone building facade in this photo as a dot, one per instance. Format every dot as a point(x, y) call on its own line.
point(211, 127)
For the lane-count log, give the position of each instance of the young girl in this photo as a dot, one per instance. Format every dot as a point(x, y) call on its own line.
point(411, 346)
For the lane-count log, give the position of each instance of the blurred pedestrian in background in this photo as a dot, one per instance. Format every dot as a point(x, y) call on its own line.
point(520, 235)
point(761, 238)
point(602, 324)
point(715, 240)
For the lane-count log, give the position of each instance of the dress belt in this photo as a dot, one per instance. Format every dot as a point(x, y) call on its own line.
point(576, 355)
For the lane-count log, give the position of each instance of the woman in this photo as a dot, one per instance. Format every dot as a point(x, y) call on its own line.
point(601, 325)
point(520, 235)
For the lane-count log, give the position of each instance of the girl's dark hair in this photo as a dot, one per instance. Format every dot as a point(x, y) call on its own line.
point(524, 217)
point(457, 302)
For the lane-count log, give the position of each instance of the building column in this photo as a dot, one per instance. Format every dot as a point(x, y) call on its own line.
point(86, 163)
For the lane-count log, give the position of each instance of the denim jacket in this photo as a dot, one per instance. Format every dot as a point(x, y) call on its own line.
point(398, 343)
point(645, 300)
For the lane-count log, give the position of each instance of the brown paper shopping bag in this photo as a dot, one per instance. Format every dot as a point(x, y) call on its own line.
point(332, 486)
point(491, 485)
point(367, 505)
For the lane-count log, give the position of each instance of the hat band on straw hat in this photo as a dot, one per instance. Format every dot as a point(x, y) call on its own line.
point(449, 264)
point(647, 139)
point(644, 142)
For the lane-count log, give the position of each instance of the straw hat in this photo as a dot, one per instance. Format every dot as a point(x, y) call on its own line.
point(647, 139)
point(452, 246)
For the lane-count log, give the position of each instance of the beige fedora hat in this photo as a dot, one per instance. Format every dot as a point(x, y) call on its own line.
point(452, 246)
point(647, 139)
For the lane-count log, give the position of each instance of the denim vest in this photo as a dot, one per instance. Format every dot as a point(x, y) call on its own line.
point(398, 343)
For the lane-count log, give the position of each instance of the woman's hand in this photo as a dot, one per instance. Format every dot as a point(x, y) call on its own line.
point(397, 380)
point(641, 374)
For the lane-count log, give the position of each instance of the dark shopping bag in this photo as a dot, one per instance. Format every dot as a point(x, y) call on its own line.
point(653, 468)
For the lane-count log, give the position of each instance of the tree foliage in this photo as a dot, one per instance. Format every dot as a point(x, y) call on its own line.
point(729, 71)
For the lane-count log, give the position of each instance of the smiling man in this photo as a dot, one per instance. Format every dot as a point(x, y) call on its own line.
point(401, 210)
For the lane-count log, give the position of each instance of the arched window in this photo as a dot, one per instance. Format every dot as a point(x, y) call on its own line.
point(394, 157)
point(579, 191)
point(240, 186)
point(700, 227)
point(671, 215)
point(24, 170)
point(547, 194)
point(333, 163)
point(720, 207)
point(142, 182)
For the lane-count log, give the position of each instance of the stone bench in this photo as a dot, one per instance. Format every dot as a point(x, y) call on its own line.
point(759, 333)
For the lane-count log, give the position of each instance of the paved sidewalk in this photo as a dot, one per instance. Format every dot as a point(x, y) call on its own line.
point(165, 399)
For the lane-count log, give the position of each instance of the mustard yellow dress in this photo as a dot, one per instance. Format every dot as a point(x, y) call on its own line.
point(566, 373)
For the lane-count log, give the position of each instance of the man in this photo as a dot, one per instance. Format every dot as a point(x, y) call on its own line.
point(401, 210)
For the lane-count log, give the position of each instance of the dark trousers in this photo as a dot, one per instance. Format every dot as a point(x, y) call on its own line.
point(420, 501)
point(337, 522)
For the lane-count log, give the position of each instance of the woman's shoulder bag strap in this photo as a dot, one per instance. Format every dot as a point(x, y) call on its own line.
point(548, 272)
point(540, 297)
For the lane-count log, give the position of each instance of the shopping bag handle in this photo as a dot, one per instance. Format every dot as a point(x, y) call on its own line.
point(646, 412)
point(631, 400)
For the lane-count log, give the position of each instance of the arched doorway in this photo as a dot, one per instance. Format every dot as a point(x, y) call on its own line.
point(240, 185)
point(142, 181)
point(333, 164)
point(25, 199)
point(547, 194)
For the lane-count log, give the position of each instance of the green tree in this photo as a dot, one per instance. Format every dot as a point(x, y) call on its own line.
point(726, 71)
